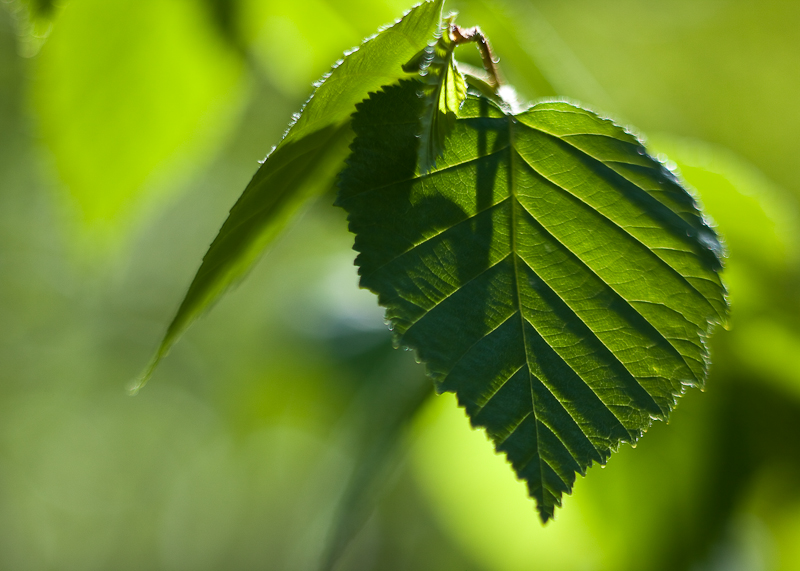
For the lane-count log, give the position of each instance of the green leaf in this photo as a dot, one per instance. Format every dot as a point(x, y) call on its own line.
point(550, 272)
point(444, 91)
point(304, 163)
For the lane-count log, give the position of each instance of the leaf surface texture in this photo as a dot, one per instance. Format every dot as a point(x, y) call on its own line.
point(548, 271)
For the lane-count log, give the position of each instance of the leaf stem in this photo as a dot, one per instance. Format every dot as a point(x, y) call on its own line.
point(461, 35)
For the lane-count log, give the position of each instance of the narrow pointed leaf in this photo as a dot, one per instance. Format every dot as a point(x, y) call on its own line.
point(444, 90)
point(304, 163)
point(550, 272)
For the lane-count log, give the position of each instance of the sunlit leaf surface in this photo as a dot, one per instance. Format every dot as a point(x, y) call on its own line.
point(550, 272)
point(304, 163)
point(444, 90)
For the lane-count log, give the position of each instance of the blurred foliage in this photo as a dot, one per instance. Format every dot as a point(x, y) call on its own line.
point(246, 446)
point(126, 91)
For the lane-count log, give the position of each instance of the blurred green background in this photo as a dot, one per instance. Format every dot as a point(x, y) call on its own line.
point(127, 130)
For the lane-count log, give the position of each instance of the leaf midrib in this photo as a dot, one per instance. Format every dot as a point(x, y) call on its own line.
point(538, 454)
point(513, 238)
point(523, 321)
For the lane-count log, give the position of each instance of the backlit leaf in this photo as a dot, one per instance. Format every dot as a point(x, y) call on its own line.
point(304, 163)
point(444, 90)
point(550, 272)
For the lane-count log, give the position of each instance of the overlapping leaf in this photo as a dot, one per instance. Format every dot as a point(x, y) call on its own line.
point(548, 271)
point(303, 164)
point(444, 90)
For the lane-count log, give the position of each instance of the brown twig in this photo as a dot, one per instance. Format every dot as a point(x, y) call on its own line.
point(464, 35)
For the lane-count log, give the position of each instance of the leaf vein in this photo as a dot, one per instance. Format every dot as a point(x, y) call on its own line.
point(499, 388)
point(471, 347)
point(513, 223)
point(455, 291)
point(593, 272)
point(579, 318)
point(433, 236)
point(613, 222)
point(416, 177)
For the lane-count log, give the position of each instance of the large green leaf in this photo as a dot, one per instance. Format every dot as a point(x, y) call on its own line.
point(549, 271)
point(304, 163)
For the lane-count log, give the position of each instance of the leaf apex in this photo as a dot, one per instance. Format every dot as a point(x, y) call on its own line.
point(139, 382)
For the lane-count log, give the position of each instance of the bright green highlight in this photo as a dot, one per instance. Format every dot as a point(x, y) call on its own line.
point(126, 94)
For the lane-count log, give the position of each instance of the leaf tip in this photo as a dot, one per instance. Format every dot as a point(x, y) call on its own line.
point(545, 516)
point(139, 382)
